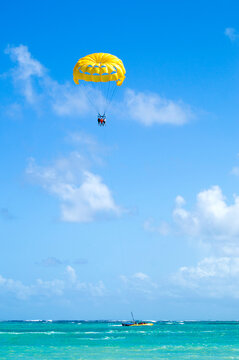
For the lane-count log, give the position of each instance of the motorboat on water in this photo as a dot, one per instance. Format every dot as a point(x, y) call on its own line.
point(137, 323)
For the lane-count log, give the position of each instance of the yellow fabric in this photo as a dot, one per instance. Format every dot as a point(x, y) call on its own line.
point(99, 67)
point(145, 324)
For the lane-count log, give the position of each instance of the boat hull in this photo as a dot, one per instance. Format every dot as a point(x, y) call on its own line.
point(139, 324)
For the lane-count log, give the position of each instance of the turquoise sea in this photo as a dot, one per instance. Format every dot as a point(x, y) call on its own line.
point(109, 340)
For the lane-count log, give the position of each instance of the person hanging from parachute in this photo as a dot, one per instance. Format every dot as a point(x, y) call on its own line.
point(105, 72)
point(101, 120)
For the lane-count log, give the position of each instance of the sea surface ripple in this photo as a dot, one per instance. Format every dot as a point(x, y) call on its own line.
point(84, 340)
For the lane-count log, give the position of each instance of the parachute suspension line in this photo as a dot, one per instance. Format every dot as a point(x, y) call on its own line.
point(102, 90)
point(107, 92)
point(107, 95)
point(99, 93)
point(89, 68)
point(114, 91)
point(85, 85)
point(101, 85)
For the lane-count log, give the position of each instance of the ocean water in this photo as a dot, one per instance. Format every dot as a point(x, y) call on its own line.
point(109, 340)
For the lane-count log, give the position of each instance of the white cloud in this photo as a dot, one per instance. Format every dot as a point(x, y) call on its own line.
point(83, 196)
point(27, 65)
point(231, 34)
point(67, 99)
point(97, 289)
point(15, 287)
point(48, 288)
point(150, 108)
point(71, 273)
point(221, 267)
point(33, 82)
point(235, 170)
point(211, 217)
point(211, 277)
point(163, 228)
point(179, 200)
point(56, 287)
point(214, 223)
point(26, 70)
point(139, 283)
point(141, 276)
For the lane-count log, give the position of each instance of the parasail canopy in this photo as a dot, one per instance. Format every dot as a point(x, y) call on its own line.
point(99, 67)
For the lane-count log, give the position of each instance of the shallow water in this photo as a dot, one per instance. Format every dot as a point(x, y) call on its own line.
point(109, 340)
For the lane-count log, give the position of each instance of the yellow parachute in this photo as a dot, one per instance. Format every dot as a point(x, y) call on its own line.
point(100, 68)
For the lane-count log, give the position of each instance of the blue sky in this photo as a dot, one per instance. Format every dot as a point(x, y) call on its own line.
point(142, 214)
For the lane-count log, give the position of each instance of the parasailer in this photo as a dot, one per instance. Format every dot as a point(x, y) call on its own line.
point(104, 72)
point(101, 120)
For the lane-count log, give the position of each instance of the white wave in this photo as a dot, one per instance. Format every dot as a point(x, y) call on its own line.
point(153, 321)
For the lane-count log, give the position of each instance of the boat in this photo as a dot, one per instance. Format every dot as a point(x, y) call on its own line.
point(137, 323)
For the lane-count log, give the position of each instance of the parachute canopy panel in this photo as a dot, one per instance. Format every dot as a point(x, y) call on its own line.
point(99, 67)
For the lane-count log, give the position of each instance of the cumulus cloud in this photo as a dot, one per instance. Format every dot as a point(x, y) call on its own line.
point(150, 108)
point(212, 217)
point(67, 99)
point(141, 276)
point(26, 70)
point(15, 287)
point(82, 194)
point(48, 288)
point(213, 222)
point(55, 287)
point(33, 82)
point(211, 277)
point(231, 33)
